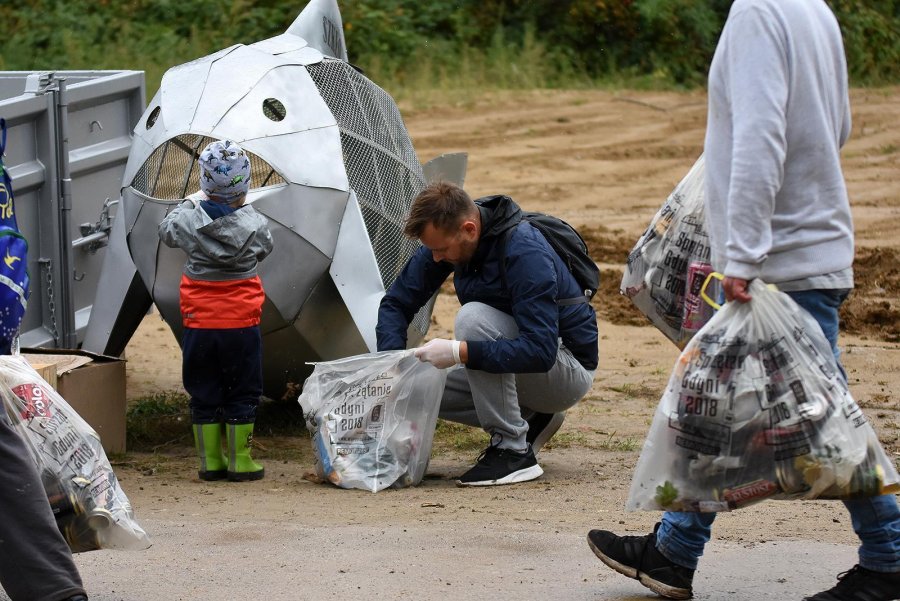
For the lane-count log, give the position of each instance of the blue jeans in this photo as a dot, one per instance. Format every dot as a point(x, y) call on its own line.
point(876, 520)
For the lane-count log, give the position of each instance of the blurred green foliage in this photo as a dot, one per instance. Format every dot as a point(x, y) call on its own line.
point(408, 44)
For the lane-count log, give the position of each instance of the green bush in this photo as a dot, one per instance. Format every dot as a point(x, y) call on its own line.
point(871, 30)
point(411, 45)
point(684, 34)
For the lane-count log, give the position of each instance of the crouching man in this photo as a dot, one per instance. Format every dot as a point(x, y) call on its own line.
point(527, 352)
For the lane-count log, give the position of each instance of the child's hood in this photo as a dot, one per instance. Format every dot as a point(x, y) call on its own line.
point(231, 231)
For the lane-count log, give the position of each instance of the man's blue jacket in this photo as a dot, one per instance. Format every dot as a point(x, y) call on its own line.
point(536, 278)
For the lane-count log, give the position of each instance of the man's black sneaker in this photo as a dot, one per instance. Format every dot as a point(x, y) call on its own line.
point(501, 466)
point(860, 584)
point(637, 557)
point(542, 427)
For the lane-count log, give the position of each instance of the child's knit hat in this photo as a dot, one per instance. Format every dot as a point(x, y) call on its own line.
point(224, 171)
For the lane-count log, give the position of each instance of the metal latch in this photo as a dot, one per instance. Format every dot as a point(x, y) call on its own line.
point(95, 236)
point(37, 83)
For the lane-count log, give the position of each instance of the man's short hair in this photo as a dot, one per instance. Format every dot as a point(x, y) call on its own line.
point(442, 204)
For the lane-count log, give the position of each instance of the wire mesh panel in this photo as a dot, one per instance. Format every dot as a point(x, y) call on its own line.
point(170, 173)
point(381, 163)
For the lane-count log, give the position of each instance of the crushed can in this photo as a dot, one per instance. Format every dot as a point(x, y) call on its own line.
point(77, 517)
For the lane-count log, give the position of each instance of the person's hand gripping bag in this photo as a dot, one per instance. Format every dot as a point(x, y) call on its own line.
point(670, 261)
point(756, 408)
point(89, 505)
point(372, 418)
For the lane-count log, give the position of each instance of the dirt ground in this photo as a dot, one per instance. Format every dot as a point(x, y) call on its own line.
point(604, 161)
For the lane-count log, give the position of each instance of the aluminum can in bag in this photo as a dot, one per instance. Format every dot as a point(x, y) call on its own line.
point(78, 521)
point(696, 311)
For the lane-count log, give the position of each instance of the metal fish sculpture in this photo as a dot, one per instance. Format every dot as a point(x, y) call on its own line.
point(333, 170)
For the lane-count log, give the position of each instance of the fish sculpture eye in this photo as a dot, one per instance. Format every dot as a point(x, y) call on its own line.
point(152, 117)
point(274, 109)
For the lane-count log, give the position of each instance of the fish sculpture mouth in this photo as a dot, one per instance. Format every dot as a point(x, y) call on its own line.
point(170, 172)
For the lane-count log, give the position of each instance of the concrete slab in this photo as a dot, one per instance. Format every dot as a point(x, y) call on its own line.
point(286, 561)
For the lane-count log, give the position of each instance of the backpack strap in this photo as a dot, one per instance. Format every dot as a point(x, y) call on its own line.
point(563, 302)
point(2, 138)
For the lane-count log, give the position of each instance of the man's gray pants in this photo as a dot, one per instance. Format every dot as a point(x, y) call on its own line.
point(35, 561)
point(496, 402)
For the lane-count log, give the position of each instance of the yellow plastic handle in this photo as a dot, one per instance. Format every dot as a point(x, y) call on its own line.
point(721, 277)
point(703, 295)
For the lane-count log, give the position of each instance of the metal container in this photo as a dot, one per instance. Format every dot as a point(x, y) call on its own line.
point(70, 133)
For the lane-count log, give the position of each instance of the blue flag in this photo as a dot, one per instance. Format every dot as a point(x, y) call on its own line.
point(13, 259)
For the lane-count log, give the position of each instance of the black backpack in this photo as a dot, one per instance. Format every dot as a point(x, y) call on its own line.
point(571, 248)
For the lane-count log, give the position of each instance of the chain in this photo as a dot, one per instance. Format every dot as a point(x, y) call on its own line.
point(51, 303)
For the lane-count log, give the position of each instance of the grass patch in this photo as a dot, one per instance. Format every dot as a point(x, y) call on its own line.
point(152, 464)
point(158, 420)
point(637, 391)
point(616, 443)
point(163, 419)
point(565, 440)
point(569, 439)
point(453, 437)
point(284, 449)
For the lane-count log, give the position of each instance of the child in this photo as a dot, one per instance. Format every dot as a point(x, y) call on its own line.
point(221, 304)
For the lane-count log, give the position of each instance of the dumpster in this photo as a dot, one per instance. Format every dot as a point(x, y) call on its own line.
point(69, 136)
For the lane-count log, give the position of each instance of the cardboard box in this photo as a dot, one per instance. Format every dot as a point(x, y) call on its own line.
point(94, 385)
point(46, 370)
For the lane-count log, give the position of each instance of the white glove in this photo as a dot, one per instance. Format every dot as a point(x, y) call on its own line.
point(439, 352)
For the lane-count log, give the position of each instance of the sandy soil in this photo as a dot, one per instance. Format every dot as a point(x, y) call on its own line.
point(604, 161)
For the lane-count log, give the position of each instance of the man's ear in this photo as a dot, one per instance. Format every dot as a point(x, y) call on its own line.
point(469, 227)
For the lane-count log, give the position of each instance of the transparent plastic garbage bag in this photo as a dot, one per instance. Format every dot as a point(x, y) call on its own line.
point(89, 505)
point(756, 409)
point(372, 418)
point(667, 266)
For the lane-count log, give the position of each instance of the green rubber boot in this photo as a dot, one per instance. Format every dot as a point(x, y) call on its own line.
point(240, 466)
point(208, 442)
